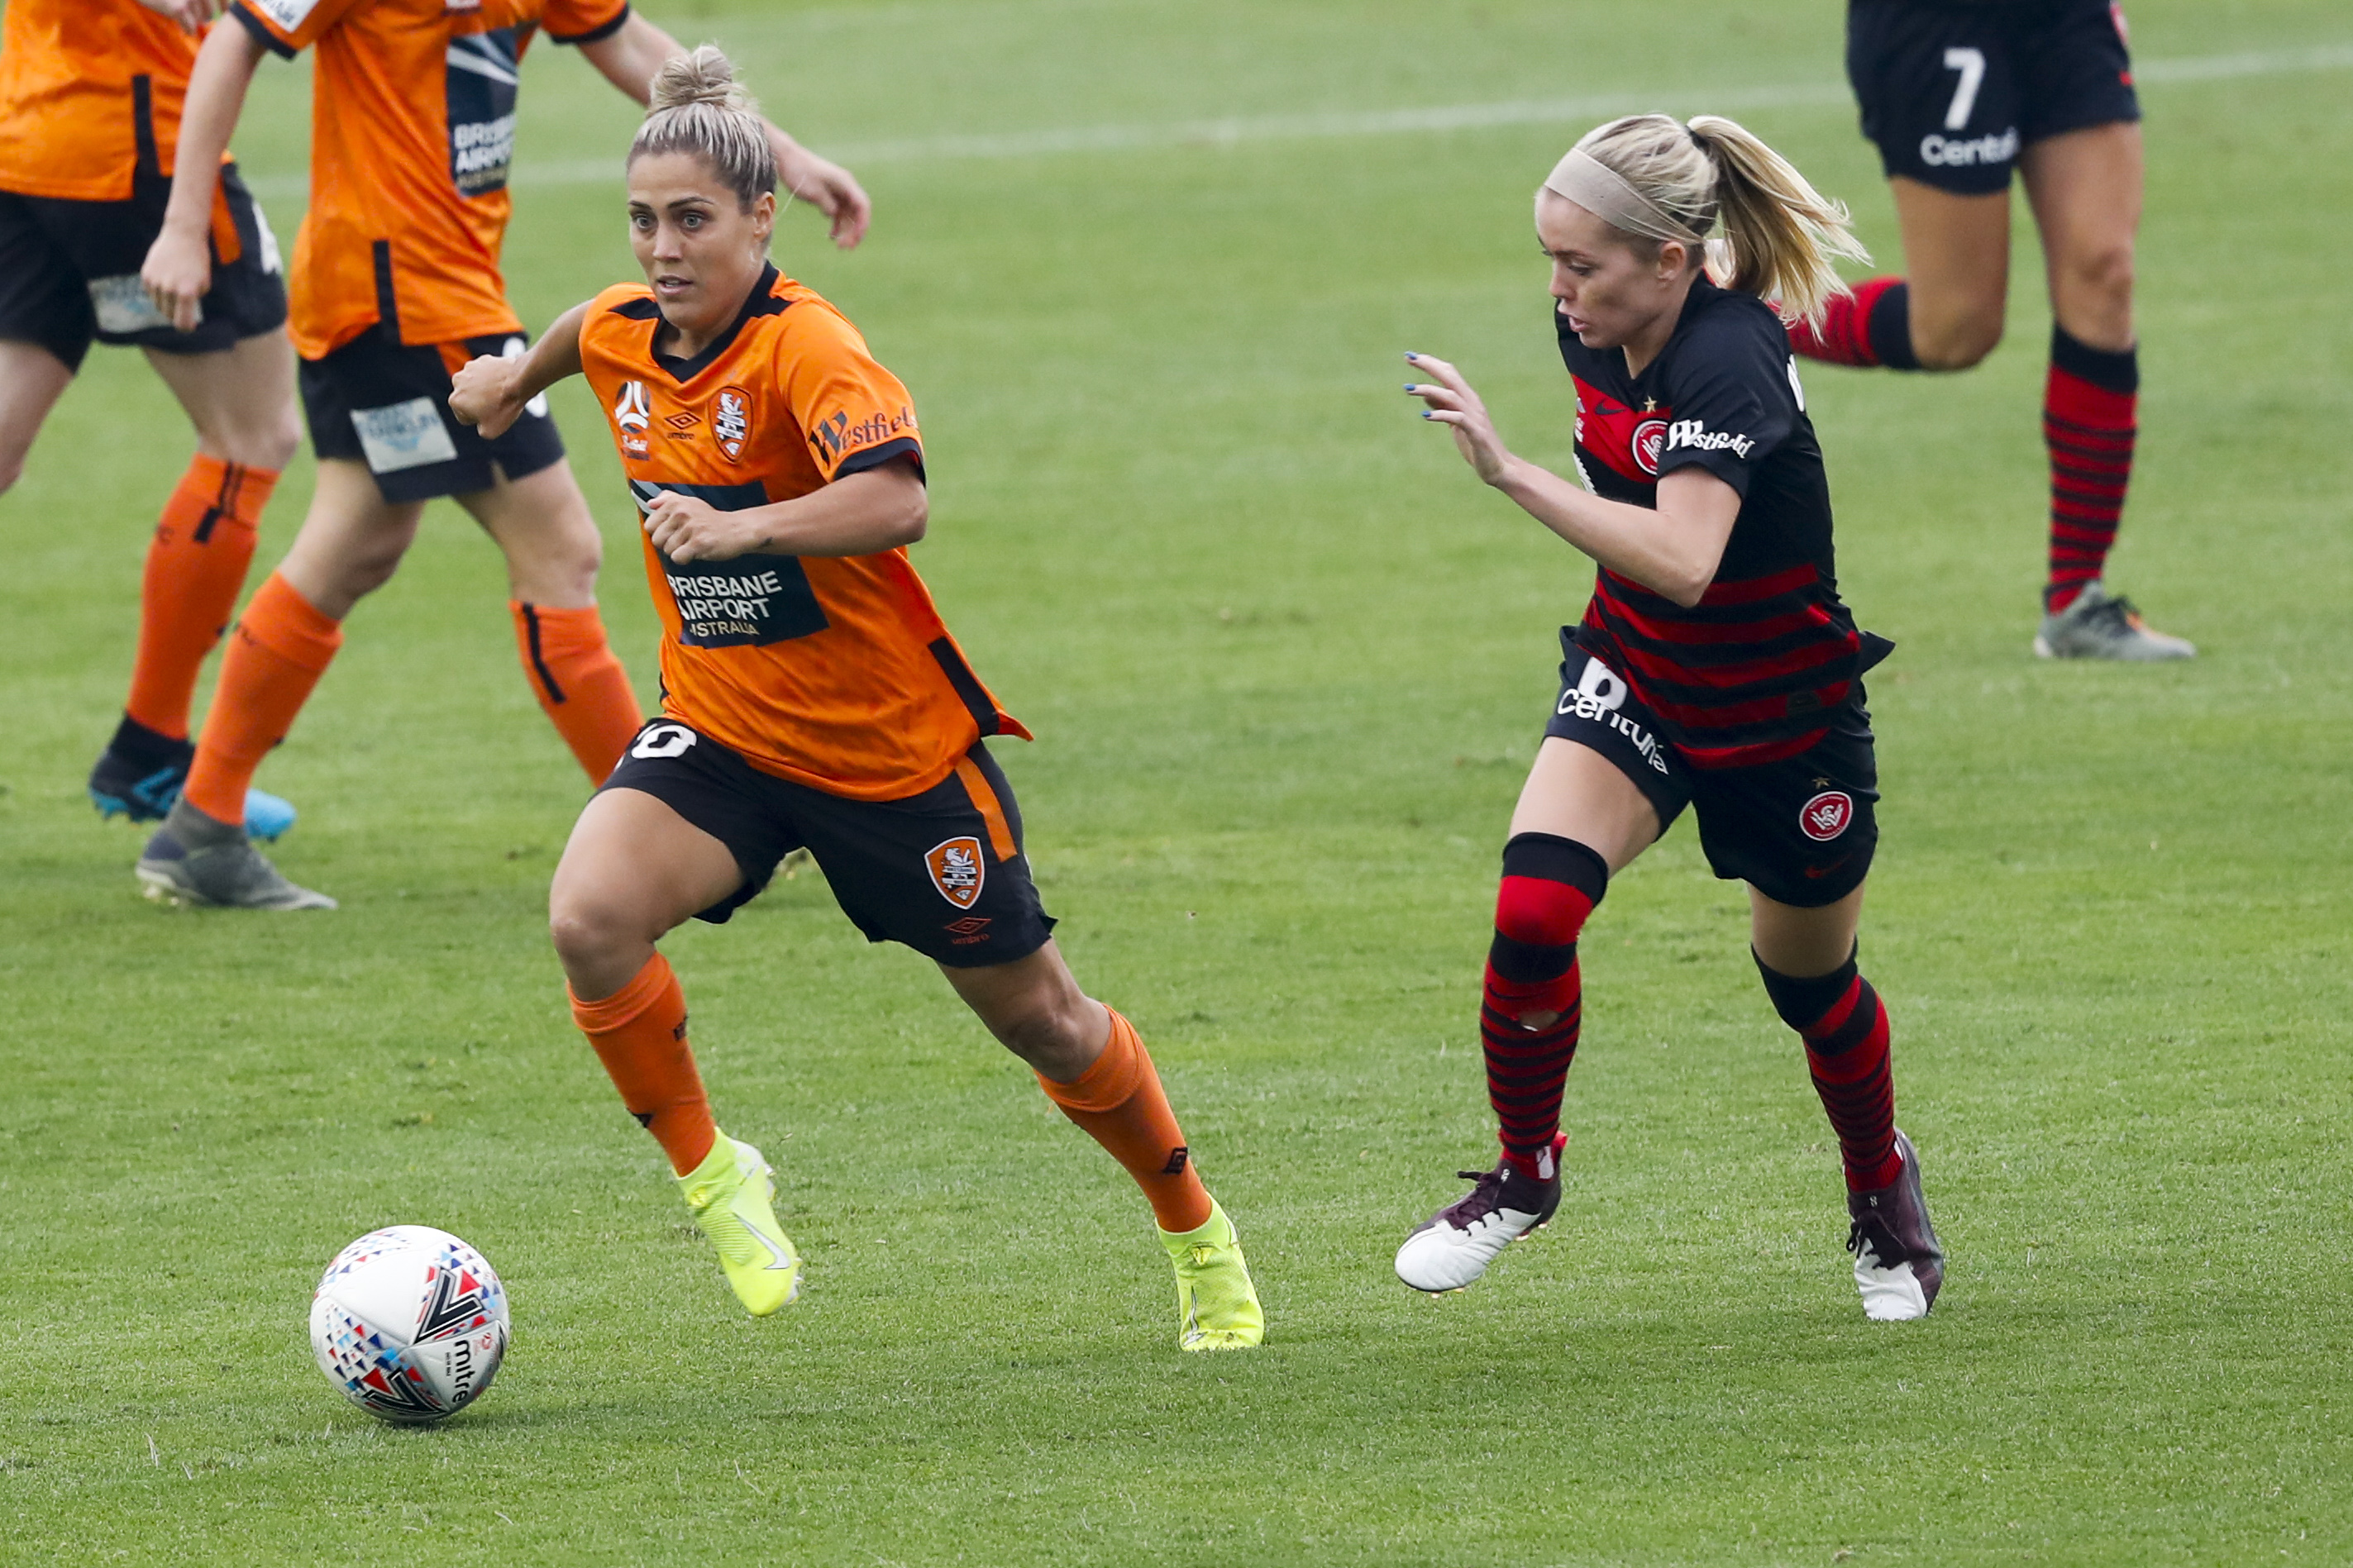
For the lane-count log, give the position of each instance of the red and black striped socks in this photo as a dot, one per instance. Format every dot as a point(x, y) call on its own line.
point(1845, 1031)
point(1529, 1014)
point(2090, 411)
point(1866, 325)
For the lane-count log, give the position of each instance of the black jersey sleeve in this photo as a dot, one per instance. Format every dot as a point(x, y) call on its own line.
point(1732, 393)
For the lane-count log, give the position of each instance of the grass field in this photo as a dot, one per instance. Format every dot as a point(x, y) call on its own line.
point(1148, 270)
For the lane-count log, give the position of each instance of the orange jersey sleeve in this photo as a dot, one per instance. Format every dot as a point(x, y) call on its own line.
point(412, 133)
point(86, 88)
point(832, 671)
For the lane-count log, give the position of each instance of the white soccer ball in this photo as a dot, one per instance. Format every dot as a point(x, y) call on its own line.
point(410, 1323)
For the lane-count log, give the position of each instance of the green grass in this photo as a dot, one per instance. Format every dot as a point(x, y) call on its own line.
point(1286, 663)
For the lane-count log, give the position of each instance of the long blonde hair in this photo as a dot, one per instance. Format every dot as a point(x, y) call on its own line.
point(1780, 235)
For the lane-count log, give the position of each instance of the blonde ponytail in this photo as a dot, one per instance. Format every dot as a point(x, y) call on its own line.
point(699, 107)
point(1779, 235)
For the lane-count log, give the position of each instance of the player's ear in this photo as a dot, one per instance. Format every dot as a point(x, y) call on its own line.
point(764, 217)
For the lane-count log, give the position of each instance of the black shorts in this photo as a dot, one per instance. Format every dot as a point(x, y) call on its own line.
point(942, 871)
point(70, 273)
point(1802, 831)
point(387, 404)
point(1950, 93)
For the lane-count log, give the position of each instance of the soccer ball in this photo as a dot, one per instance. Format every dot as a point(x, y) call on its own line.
point(410, 1323)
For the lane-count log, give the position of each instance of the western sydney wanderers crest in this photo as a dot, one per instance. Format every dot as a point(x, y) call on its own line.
point(1650, 437)
point(957, 870)
point(1826, 815)
point(731, 421)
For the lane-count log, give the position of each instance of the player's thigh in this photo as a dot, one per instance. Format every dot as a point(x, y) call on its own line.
point(2085, 188)
point(350, 540)
point(542, 524)
point(239, 398)
point(1956, 265)
point(633, 868)
point(1575, 792)
point(32, 379)
point(1603, 776)
point(1799, 940)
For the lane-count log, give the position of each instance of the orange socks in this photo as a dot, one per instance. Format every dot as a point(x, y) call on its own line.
point(281, 647)
point(195, 567)
point(1120, 1104)
point(640, 1033)
point(578, 682)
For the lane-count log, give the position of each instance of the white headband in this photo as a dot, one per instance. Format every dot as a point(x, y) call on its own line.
point(1601, 190)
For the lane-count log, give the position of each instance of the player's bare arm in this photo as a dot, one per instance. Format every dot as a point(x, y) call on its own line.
point(491, 391)
point(630, 59)
point(179, 266)
point(860, 514)
point(1673, 551)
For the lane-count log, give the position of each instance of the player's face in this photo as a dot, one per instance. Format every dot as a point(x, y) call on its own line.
point(1609, 291)
point(700, 250)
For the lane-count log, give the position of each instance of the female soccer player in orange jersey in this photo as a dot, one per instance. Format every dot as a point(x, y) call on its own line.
point(1715, 667)
point(811, 698)
point(396, 284)
point(90, 125)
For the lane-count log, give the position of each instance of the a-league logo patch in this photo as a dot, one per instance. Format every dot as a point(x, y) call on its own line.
point(731, 421)
point(1649, 435)
point(956, 870)
point(1826, 815)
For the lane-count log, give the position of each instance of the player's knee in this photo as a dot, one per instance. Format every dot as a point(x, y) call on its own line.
point(2102, 273)
point(1550, 886)
point(272, 444)
point(588, 931)
point(1957, 341)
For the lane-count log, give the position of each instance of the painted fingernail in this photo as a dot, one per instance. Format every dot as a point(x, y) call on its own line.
point(1425, 414)
point(1416, 358)
point(1408, 386)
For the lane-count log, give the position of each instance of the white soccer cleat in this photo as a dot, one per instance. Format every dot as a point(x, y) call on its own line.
point(1453, 1247)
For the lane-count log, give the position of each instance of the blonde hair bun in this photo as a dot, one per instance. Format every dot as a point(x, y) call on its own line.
point(699, 109)
point(702, 75)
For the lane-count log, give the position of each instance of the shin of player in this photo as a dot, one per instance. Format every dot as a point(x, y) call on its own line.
point(813, 698)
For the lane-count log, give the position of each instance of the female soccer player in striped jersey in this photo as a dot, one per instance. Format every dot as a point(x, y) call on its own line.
point(90, 125)
point(1715, 665)
point(1958, 94)
point(812, 698)
point(396, 284)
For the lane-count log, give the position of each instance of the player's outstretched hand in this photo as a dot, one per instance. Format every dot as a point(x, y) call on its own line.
point(826, 187)
point(191, 15)
point(1452, 403)
point(177, 275)
point(487, 393)
point(687, 528)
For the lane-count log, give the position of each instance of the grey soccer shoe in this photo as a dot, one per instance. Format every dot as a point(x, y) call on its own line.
point(1898, 1265)
point(193, 860)
point(1453, 1247)
point(2099, 626)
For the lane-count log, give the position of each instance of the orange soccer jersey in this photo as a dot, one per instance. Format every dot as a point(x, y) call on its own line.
point(83, 83)
point(412, 128)
point(831, 671)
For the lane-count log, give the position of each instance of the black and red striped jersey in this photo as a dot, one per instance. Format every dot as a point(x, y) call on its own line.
point(1753, 672)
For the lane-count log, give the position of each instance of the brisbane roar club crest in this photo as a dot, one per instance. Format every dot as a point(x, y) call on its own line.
point(731, 421)
point(1650, 437)
point(957, 870)
point(1826, 815)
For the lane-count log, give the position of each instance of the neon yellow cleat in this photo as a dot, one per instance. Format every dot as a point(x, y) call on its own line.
point(729, 1195)
point(1217, 1305)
